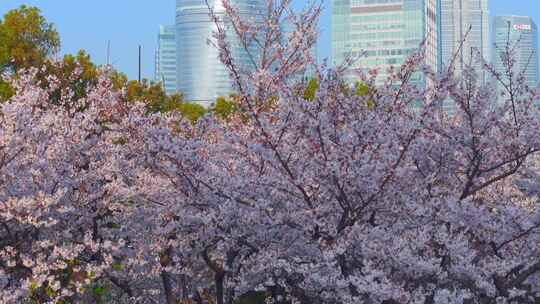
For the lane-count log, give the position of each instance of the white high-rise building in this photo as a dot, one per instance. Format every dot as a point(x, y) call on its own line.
point(165, 69)
point(201, 77)
point(464, 32)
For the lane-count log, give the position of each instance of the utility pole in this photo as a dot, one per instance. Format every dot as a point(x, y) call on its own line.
point(140, 55)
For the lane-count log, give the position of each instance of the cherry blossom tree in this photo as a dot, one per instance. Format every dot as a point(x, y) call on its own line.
point(60, 232)
point(379, 197)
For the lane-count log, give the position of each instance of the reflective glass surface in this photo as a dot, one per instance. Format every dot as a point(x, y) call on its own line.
point(383, 33)
point(201, 76)
point(165, 70)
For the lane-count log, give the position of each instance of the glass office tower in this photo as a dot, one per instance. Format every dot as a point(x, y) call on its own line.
point(467, 21)
point(523, 31)
point(383, 33)
point(201, 77)
point(165, 65)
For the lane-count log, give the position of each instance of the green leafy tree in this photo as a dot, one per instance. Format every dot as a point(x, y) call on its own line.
point(170, 103)
point(156, 99)
point(192, 111)
point(6, 91)
point(311, 89)
point(363, 90)
point(223, 108)
point(151, 93)
point(145, 91)
point(26, 40)
point(119, 80)
point(78, 83)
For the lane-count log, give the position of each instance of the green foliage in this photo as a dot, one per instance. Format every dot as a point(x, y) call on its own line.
point(50, 292)
point(227, 109)
point(26, 39)
point(363, 90)
point(119, 80)
point(80, 85)
point(99, 293)
point(167, 104)
point(192, 111)
point(151, 93)
point(223, 108)
point(40, 294)
point(144, 91)
point(5, 91)
point(311, 89)
point(117, 266)
point(91, 275)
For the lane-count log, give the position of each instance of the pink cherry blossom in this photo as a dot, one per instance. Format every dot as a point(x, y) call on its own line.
point(380, 197)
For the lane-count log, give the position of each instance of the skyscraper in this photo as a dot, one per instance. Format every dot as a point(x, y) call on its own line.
point(522, 31)
point(383, 33)
point(201, 77)
point(464, 31)
point(165, 69)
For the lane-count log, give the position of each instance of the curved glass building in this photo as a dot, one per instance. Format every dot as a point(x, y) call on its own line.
point(201, 77)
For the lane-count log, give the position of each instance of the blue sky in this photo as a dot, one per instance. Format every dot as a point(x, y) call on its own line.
point(89, 24)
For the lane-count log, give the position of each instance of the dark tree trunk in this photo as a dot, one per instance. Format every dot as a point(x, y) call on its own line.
point(219, 278)
point(167, 287)
point(166, 278)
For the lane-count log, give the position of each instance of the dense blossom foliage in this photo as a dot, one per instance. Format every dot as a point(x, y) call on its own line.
point(380, 197)
point(57, 192)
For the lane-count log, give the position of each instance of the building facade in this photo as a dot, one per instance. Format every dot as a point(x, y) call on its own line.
point(384, 33)
point(464, 34)
point(165, 62)
point(201, 77)
point(520, 30)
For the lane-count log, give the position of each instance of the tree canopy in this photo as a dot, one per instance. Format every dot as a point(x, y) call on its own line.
point(26, 39)
point(371, 194)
